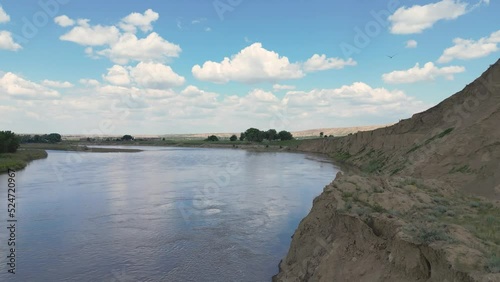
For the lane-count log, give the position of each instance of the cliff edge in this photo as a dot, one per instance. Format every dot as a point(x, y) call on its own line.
point(423, 204)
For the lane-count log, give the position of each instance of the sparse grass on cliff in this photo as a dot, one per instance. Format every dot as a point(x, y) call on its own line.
point(437, 136)
point(431, 213)
point(493, 265)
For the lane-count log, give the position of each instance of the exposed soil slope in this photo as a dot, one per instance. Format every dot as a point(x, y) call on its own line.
point(413, 211)
point(458, 140)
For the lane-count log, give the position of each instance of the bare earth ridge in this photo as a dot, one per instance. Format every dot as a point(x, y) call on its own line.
point(421, 204)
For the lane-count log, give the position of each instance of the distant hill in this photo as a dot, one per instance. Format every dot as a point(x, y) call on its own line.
point(335, 131)
point(338, 131)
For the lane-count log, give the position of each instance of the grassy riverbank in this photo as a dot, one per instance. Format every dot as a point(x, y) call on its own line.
point(20, 159)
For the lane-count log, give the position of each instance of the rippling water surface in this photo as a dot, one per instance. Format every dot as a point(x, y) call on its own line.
point(164, 214)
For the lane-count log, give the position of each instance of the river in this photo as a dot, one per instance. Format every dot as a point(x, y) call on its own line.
point(163, 214)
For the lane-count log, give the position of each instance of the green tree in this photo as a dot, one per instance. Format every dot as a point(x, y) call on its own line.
point(9, 142)
point(285, 135)
point(321, 134)
point(233, 138)
point(212, 138)
point(271, 135)
point(254, 135)
point(127, 137)
point(54, 138)
point(242, 136)
point(38, 139)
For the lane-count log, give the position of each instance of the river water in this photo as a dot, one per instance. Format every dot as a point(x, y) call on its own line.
point(164, 214)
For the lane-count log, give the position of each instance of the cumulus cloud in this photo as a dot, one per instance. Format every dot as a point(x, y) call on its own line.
point(20, 88)
point(278, 87)
point(418, 18)
point(89, 82)
point(120, 47)
point(262, 96)
point(151, 48)
point(57, 84)
point(117, 75)
point(428, 72)
point(87, 35)
point(7, 42)
point(190, 107)
point(357, 99)
point(137, 20)
point(144, 75)
point(321, 62)
point(4, 17)
point(199, 98)
point(64, 21)
point(253, 64)
point(156, 76)
point(466, 49)
point(411, 44)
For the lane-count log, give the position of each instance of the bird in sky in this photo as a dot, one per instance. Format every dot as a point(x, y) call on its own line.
point(391, 56)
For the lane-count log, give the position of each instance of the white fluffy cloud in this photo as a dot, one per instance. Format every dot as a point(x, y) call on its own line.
point(262, 96)
point(7, 42)
point(87, 35)
point(428, 72)
point(147, 109)
point(470, 49)
point(64, 21)
point(251, 65)
point(129, 47)
point(18, 87)
point(278, 87)
point(156, 76)
point(411, 43)
point(144, 75)
point(120, 47)
point(200, 98)
point(4, 17)
point(321, 62)
point(418, 18)
point(57, 84)
point(117, 75)
point(357, 99)
point(89, 82)
point(137, 20)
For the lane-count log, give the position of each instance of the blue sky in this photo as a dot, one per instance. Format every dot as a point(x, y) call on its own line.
point(192, 66)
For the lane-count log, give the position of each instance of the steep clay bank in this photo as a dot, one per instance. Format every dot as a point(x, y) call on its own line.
point(416, 210)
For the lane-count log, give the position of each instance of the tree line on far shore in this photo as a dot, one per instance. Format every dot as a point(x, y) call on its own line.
point(45, 138)
point(257, 135)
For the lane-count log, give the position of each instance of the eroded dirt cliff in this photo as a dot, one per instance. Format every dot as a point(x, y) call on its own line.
point(424, 205)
